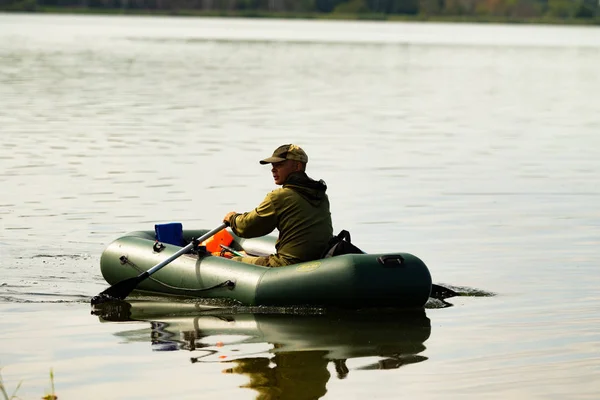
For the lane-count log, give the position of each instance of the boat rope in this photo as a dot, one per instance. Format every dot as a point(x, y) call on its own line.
point(228, 283)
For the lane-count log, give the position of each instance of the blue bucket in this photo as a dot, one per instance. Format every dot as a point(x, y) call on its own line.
point(171, 233)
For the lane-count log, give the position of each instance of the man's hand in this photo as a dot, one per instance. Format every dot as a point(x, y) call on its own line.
point(228, 216)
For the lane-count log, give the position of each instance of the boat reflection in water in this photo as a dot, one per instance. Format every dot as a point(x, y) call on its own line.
point(282, 351)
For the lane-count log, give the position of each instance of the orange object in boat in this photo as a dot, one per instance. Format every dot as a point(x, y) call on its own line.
point(221, 238)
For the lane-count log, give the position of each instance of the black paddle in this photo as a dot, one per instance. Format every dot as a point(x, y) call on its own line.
point(122, 289)
point(441, 293)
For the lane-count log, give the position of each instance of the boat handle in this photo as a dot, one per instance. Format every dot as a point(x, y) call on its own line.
point(392, 260)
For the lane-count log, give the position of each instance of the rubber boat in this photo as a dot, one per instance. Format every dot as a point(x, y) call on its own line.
point(399, 280)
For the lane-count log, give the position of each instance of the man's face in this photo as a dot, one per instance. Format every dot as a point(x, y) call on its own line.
point(282, 169)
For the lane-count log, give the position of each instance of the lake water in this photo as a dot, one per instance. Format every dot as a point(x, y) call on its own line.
point(474, 147)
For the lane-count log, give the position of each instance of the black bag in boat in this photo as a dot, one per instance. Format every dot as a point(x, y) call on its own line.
point(341, 244)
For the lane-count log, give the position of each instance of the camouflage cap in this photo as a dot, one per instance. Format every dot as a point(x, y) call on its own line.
point(286, 152)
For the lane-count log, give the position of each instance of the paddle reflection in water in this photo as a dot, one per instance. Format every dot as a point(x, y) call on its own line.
point(299, 344)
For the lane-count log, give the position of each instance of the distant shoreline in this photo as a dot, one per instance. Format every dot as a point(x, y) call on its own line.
point(483, 19)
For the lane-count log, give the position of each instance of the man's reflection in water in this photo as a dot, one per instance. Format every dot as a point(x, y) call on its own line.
point(304, 374)
point(287, 375)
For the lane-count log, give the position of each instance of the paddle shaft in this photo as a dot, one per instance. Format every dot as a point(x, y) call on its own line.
point(185, 249)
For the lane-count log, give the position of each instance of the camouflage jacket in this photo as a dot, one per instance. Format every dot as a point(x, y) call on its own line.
point(300, 211)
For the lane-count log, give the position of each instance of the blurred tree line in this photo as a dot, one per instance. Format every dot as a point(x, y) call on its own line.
point(369, 9)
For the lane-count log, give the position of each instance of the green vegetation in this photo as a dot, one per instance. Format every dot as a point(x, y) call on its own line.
point(5, 395)
point(51, 395)
point(521, 11)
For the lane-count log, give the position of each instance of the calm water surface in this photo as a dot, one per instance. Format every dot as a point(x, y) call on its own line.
point(474, 147)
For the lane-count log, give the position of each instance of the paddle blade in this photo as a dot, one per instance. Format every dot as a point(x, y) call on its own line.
point(441, 292)
point(119, 290)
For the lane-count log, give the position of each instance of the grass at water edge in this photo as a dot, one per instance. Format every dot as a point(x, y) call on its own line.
point(6, 396)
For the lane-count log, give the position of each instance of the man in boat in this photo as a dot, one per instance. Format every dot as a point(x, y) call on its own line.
point(299, 210)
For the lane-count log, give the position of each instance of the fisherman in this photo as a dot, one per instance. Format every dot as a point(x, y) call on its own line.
point(299, 210)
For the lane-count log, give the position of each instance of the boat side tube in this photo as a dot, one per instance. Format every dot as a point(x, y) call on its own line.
point(189, 275)
point(351, 280)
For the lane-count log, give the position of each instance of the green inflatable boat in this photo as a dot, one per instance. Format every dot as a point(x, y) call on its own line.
point(398, 280)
